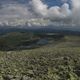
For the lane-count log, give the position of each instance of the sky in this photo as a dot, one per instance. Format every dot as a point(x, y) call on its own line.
point(67, 11)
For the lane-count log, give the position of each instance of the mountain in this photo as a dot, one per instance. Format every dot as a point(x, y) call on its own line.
point(41, 29)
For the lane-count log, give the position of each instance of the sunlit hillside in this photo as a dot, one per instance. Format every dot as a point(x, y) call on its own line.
point(40, 57)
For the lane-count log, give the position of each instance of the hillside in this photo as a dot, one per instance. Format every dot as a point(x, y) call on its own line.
point(47, 57)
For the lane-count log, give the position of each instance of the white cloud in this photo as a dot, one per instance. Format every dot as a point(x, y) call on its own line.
point(76, 11)
point(14, 10)
point(53, 12)
point(39, 9)
point(56, 12)
point(59, 12)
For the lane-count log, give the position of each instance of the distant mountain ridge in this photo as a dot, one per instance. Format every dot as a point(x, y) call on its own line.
point(41, 29)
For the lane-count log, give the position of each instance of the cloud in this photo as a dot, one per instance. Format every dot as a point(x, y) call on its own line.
point(76, 11)
point(38, 9)
point(14, 10)
point(55, 11)
point(59, 12)
point(63, 12)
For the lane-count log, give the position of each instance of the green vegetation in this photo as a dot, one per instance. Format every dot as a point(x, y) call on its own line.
point(14, 40)
point(18, 40)
point(59, 59)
